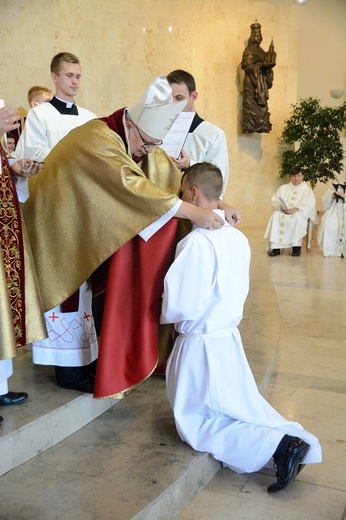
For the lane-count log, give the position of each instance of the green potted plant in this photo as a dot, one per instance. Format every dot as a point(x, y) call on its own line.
point(315, 130)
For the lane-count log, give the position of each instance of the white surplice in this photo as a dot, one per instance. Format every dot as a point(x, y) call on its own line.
point(208, 143)
point(44, 128)
point(216, 404)
point(331, 234)
point(288, 230)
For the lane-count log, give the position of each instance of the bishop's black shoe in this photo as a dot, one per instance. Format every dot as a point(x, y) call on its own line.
point(76, 378)
point(274, 252)
point(296, 250)
point(85, 385)
point(287, 464)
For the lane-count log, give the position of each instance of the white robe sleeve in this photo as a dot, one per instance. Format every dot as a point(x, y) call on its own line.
point(150, 230)
point(33, 143)
point(327, 198)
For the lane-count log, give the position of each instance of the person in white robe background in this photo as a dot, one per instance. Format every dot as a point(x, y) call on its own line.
point(331, 234)
point(216, 404)
point(287, 225)
point(38, 95)
point(71, 346)
point(205, 141)
point(47, 123)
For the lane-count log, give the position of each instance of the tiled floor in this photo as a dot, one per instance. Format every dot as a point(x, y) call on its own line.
point(113, 467)
point(308, 385)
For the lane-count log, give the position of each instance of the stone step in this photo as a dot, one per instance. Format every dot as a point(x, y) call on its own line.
point(49, 415)
point(129, 463)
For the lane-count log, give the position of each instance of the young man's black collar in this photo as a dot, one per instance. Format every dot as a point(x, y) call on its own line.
point(62, 108)
point(195, 123)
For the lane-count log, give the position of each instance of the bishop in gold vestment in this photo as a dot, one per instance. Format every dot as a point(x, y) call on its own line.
point(88, 206)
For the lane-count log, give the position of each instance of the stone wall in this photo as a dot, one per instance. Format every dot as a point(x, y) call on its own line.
point(124, 44)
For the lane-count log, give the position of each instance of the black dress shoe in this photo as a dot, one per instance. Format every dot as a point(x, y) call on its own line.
point(85, 385)
point(287, 465)
point(13, 398)
point(300, 467)
point(296, 251)
point(274, 252)
point(1, 419)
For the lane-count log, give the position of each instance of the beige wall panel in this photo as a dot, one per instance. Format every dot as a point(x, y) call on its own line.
point(124, 44)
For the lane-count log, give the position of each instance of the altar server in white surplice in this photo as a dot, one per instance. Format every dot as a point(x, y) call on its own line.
point(288, 224)
point(216, 404)
point(331, 235)
point(205, 141)
point(71, 346)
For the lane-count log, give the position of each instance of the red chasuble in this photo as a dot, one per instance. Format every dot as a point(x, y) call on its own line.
point(129, 346)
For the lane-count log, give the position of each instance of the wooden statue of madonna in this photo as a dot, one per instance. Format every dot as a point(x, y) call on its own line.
point(257, 65)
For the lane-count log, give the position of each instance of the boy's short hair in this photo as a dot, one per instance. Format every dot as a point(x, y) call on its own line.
point(207, 177)
point(58, 59)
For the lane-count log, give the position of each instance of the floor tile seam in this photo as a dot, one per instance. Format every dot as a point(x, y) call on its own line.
point(307, 409)
point(300, 480)
point(315, 381)
point(289, 373)
point(304, 415)
point(336, 391)
point(306, 285)
point(218, 494)
point(329, 376)
point(290, 331)
point(303, 419)
point(323, 486)
point(315, 392)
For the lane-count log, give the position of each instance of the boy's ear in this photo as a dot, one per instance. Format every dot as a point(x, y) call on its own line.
point(195, 193)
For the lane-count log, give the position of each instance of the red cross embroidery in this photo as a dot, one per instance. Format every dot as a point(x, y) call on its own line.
point(53, 317)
